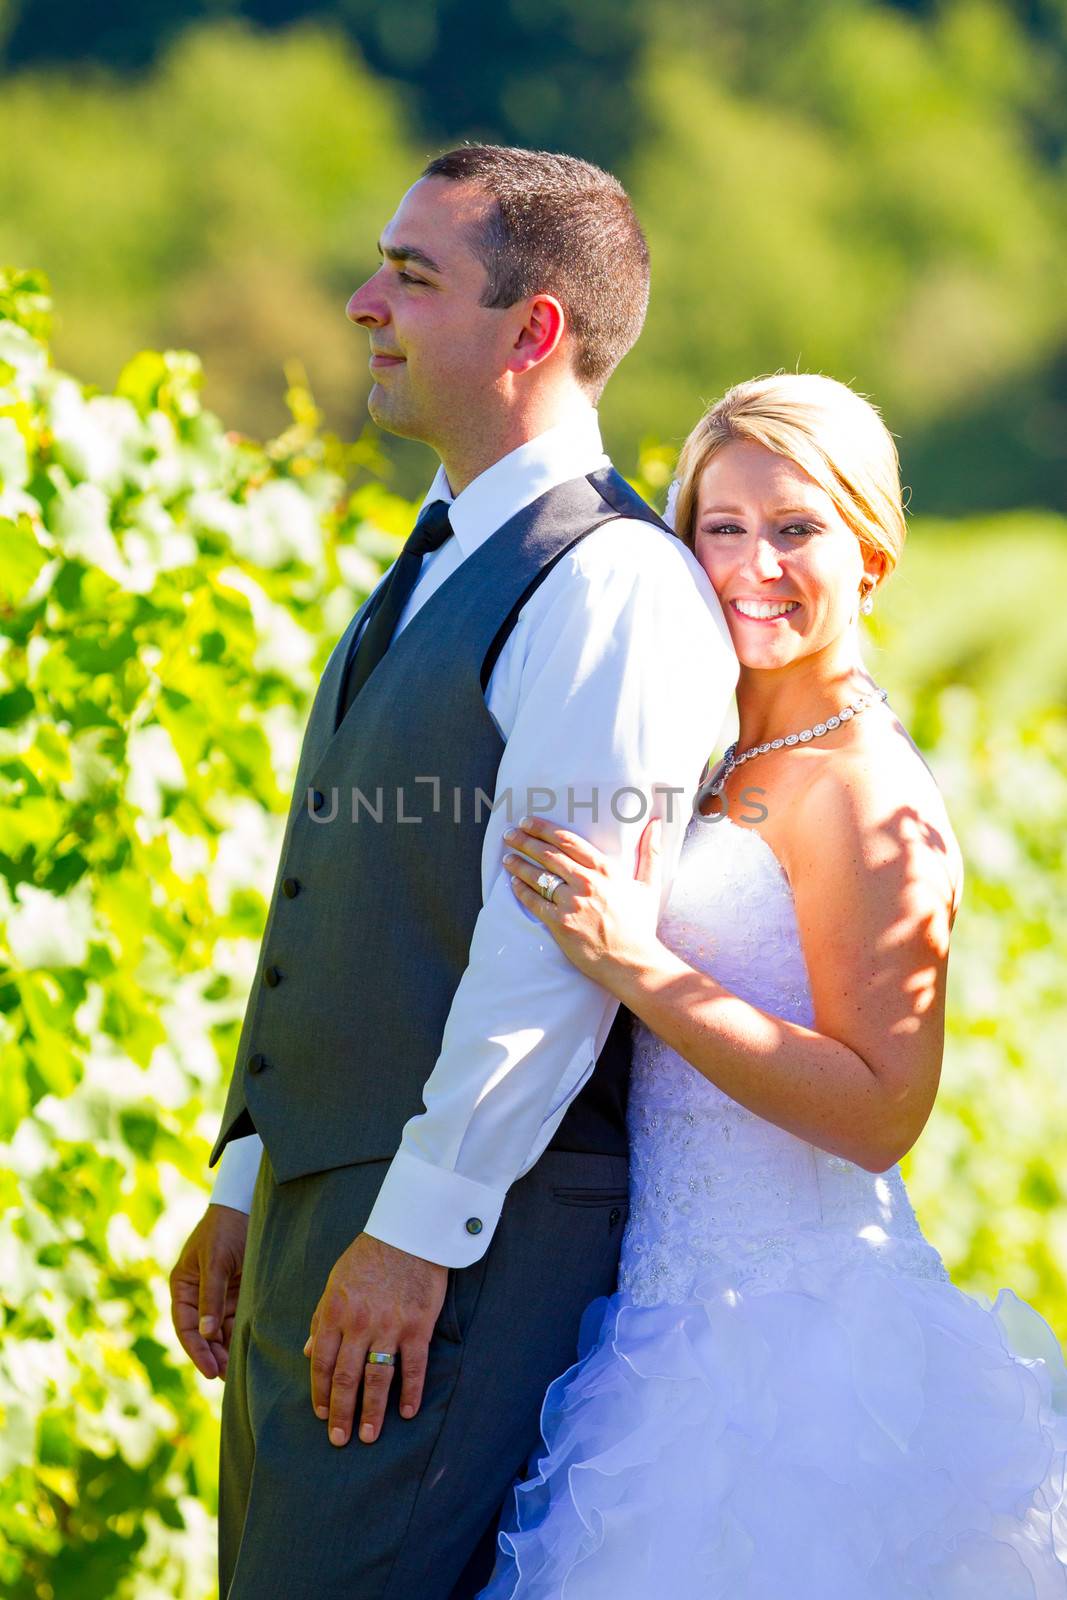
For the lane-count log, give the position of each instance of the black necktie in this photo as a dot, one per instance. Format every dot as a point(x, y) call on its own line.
point(429, 533)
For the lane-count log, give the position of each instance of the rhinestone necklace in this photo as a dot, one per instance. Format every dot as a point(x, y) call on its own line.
point(731, 759)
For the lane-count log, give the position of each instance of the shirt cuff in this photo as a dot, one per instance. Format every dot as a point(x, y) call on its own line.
point(434, 1213)
point(238, 1170)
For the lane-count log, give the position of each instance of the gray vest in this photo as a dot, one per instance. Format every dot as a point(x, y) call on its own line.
point(370, 922)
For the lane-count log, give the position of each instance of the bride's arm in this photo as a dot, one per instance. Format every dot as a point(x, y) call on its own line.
point(875, 895)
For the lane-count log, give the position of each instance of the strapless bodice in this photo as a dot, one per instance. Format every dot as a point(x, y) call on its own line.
point(715, 1187)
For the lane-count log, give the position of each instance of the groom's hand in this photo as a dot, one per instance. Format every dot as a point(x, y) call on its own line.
point(376, 1298)
point(204, 1286)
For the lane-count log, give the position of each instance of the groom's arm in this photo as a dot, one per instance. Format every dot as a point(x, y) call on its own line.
point(619, 679)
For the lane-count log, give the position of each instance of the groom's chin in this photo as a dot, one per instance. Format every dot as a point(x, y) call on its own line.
point(385, 412)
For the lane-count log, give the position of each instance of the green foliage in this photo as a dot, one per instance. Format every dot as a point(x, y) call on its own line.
point(168, 596)
point(978, 673)
point(987, 1176)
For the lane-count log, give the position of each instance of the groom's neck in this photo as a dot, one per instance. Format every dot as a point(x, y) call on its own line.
point(498, 431)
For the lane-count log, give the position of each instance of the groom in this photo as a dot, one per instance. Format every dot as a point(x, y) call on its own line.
point(426, 1118)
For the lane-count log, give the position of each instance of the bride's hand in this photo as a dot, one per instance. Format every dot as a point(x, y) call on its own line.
point(603, 920)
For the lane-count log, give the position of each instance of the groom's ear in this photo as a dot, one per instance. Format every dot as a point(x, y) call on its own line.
point(540, 332)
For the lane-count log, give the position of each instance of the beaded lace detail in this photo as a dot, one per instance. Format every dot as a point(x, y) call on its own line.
point(715, 1189)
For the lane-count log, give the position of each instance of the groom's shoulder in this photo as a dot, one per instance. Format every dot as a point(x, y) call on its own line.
point(647, 554)
point(630, 536)
point(635, 546)
point(635, 579)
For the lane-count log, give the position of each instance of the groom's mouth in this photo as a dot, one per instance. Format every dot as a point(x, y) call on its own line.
point(764, 610)
point(379, 359)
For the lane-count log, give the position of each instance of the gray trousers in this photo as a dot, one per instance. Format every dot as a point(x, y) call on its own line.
point(413, 1516)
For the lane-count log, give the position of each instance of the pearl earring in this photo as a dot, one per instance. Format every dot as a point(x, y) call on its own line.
point(867, 603)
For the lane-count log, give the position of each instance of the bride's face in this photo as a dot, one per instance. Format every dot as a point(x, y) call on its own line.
point(772, 541)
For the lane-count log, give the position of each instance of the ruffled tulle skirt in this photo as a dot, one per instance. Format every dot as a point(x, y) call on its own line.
point(869, 1436)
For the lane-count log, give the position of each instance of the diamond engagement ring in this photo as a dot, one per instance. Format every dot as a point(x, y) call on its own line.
point(548, 883)
point(380, 1358)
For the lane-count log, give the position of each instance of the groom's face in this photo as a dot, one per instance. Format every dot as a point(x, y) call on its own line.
point(437, 354)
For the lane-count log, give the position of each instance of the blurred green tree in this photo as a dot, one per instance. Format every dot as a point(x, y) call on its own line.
point(533, 72)
point(870, 190)
point(865, 202)
point(236, 196)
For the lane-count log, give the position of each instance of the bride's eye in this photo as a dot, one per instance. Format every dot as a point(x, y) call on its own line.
point(723, 527)
point(804, 529)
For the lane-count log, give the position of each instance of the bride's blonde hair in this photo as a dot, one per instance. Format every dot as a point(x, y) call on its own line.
point(832, 433)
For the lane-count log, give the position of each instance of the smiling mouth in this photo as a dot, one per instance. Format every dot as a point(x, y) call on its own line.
point(765, 610)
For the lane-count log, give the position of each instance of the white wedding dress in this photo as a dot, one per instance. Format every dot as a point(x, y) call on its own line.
point(786, 1398)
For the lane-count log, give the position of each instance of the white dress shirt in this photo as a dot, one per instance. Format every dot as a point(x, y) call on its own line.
point(618, 674)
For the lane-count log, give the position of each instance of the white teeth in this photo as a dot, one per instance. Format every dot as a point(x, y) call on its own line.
point(765, 608)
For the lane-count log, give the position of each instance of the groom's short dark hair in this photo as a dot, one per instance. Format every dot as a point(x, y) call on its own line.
point(561, 226)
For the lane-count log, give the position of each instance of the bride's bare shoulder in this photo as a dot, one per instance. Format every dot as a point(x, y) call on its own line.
point(876, 800)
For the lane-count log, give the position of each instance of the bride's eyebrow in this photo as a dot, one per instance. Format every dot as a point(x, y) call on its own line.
point(780, 511)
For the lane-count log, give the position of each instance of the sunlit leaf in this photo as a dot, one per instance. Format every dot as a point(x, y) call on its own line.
point(21, 557)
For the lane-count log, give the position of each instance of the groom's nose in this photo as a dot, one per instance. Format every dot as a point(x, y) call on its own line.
point(367, 306)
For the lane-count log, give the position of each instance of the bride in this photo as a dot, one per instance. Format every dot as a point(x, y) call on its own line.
point(787, 1396)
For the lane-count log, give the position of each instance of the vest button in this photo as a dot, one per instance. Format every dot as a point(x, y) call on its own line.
point(290, 888)
point(318, 799)
point(257, 1062)
point(272, 977)
point(474, 1224)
